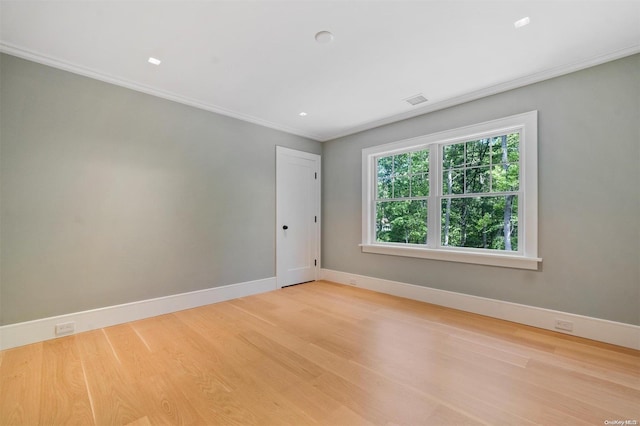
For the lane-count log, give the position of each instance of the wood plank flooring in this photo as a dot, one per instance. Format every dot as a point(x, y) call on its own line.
point(319, 354)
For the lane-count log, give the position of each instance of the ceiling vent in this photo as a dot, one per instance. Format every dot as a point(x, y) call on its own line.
point(417, 99)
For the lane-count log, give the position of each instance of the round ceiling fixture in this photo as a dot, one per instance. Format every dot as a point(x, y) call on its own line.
point(324, 37)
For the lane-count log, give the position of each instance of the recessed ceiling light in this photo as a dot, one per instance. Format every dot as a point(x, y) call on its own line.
point(303, 114)
point(154, 61)
point(522, 22)
point(324, 37)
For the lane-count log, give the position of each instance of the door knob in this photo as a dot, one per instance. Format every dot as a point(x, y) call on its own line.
point(285, 227)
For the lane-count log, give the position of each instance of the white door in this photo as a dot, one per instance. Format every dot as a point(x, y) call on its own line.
point(297, 216)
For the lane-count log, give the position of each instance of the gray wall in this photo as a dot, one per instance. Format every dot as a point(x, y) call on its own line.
point(111, 196)
point(589, 197)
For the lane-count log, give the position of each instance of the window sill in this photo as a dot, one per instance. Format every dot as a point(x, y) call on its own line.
point(490, 259)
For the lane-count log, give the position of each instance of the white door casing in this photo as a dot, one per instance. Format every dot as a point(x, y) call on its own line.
point(297, 216)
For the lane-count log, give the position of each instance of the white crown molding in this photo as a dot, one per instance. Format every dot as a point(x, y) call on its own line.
point(97, 75)
point(39, 330)
point(492, 90)
point(616, 333)
point(322, 137)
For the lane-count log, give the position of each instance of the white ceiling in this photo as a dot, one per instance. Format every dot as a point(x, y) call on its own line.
point(258, 60)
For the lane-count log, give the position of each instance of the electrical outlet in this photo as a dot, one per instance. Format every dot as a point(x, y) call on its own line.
point(564, 325)
point(65, 328)
point(352, 281)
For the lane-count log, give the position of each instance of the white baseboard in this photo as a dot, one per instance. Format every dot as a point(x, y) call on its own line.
point(24, 333)
point(616, 333)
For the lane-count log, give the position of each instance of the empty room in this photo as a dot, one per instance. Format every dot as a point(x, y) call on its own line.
point(320, 212)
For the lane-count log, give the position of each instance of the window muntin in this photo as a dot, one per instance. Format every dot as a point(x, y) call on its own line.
point(488, 169)
point(490, 164)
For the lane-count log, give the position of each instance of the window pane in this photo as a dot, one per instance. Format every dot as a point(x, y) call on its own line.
point(384, 169)
point(478, 152)
point(401, 186)
point(513, 147)
point(420, 161)
point(506, 148)
point(481, 222)
point(453, 181)
point(401, 164)
point(385, 166)
point(385, 190)
point(401, 221)
point(453, 155)
point(477, 180)
point(420, 185)
point(496, 150)
point(505, 177)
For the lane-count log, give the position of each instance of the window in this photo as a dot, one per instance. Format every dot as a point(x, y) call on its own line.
point(465, 195)
point(402, 197)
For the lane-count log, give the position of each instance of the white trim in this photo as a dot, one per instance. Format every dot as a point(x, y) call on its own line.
point(616, 333)
point(490, 259)
point(24, 333)
point(98, 75)
point(527, 255)
point(488, 91)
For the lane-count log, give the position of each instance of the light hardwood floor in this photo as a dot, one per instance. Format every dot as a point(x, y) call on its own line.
point(319, 353)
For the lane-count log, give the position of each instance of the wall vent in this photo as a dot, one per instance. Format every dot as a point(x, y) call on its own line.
point(417, 99)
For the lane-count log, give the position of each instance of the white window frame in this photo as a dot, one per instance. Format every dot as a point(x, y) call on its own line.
point(527, 255)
